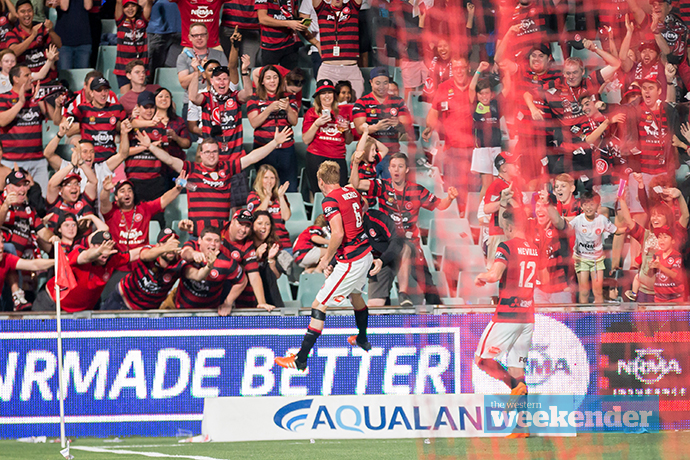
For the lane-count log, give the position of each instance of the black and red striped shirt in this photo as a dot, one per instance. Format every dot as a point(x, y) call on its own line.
point(34, 57)
point(148, 284)
point(530, 82)
point(654, 136)
point(533, 29)
point(22, 138)
point(5, 26)
point(145, 165)
point(84, 206)
point(277, 38)
point(131, 42)
point(208, 292)
point(403, 206)
point(555, 260)
point(516, 287)
point(245, 254)
point(21, 225)
point(210, 203)
point(225, 116)
point(339, 28)
point(253, 202)
point(304, 244)
point(348, 203)
point(100, 126)
point(240, 13)
point(564, 101)
point(368, 107)
point(266, 132)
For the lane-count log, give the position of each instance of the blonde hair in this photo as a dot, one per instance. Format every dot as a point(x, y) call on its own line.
point(565, 178)
point(329, 172)
point(258, 182)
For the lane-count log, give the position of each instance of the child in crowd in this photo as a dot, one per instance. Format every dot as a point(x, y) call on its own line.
point(368, 154)
point(311, 245)
point(668, 267)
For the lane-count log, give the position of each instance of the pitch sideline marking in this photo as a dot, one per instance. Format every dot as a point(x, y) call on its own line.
point(145, 454)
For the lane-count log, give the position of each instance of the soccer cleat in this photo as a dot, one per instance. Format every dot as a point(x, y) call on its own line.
point(519, 390)
point(290, 362)
point(20, 302)
point(630, 295)
point(404, 299)
point(517, 435)
point(352, 340)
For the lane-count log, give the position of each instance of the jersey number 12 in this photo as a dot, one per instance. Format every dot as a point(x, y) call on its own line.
point(527, 283)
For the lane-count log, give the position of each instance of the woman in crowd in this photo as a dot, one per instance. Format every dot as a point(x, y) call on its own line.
point(326, 132)
point(345, 93)
point(268, 196)
point(267, 246)
point(271, 107)
point(176, 132)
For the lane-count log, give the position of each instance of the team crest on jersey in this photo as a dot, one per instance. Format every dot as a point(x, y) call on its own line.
point(106, 277)
point(138, 218)
point(167, 278)
point(338, 298)
point(92, 120)
point(250, 207)
point(549, 233)
point(113, 120)
point(222, 173)
point(408, 206)
point(601, 166)
point(394, 112)
point(213, 274)
point(346, 10)
point(3, 21)
point(39, 39)
point(230, 104)
point(598, 231)
point(584, 230)
point(140, 23)
point(235, 255)
point(671, 261)
point(372, 232)
point(214, 175)
point(78, 205)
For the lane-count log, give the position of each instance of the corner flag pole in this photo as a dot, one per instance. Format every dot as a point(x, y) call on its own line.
point(61, 393)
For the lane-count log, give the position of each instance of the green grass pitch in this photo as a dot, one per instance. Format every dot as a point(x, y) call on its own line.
point(666, 445)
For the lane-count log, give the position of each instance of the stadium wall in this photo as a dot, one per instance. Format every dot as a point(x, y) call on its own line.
point(141, 376)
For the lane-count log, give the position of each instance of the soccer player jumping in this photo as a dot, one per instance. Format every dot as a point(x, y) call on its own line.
point(510, 330)
point(343, 207)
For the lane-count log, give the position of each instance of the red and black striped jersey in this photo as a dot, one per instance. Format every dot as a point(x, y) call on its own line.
point(80, 99)
point(130, 229)
point(304, 244)
point(528, 81)
point(131, 42)
point(493, 194)
point(34, 57)
point(533, 29)
point(5, 26)
point(369, 108)
point(84, 206)
point(21, 225)
point(253, 202)
point(666, 288)
point(240, 13)
point(208, 292)
point(564, 101)
point(145, 165)
point(339, 28)
point(277, 38)
point(348, 203)
point(266, 132)
point(612, 13)
point(206, 12)
point(683, 9)
point(555, 259)
point(148, 284)
point(224, 116)
point(403, 206)
point(516, 288)
point(210, 203)
point(654, 135)
point(22, 138)
point(245, 254)
point(100, 126)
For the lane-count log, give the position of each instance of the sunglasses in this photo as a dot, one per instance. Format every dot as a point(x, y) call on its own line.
point(219, 70)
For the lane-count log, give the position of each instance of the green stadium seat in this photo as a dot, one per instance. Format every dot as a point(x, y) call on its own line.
point(425, 216)
point(441, 284)
point(443, 232)
point(112, 79)
point(284, 288)
point(296, 206)
point(191, 152)
point(167, 78)
point(473, 294)
point(178, 99)
point(177, 210)
point(108, 26)
point(49, 131)
point(473, 201)
point(309, 285)
point(429, 258)
point(316, 207)
point(154, 230)
point(74, 77)
point(106, 58)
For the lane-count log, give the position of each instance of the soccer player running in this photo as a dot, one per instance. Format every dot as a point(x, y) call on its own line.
point(343, 208)
point(510, 330)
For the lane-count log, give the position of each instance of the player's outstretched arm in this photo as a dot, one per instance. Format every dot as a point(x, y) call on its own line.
point(492, 276)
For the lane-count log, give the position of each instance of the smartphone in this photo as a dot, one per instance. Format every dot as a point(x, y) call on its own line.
point(306, 22)
point(326, 112)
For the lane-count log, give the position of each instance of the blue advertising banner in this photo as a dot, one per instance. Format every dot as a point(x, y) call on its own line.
point(149, 376)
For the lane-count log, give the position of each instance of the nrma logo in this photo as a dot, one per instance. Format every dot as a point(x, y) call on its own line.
point(293, 416)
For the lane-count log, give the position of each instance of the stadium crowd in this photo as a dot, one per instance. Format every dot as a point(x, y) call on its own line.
point(575, 113)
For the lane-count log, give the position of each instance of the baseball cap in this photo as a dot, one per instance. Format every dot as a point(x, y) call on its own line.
point(16, 177)
point(324, 85)
point(651, 44)
point(663, 229)
point(378, 72)
point(649, 80)
point(70, 176)
point(129, 1)
point(146, 98)
point(119, 185)
point(98, 83)
point(543, 47)
point(576, 42)
point(505, 157)
point(65, 217)
point(221, 69)
point(243, 216)
point(165, 234)
point(101, 237)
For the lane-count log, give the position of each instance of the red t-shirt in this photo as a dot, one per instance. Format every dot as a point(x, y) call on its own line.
point(493, 194)
point(328, 141)
point(347, 202)
point(130, 229)
point(516, 288)
point(205, 11)
point(91, 280)
point(7, 263)
point(455, 113)
point(667, 289)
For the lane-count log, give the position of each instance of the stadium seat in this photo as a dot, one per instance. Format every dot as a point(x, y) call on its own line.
point(112, 79)
point(430, 262)
point(177, 210)
point(49, 131)
point(473, 200)
point(441, 283)
point(425, 216)
point(178, 99)
point(456, 259)
point(316, 207)
point(74, 78)
point(309, 285)
point(444, 232)
point(106, 58)
point(284, 287)
point(108, 26)
point(474, 294)
point(154, 230)
point(191, 151)
point(167, 78)
point(297, 130)
point(296, 206)
point(184, 236)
